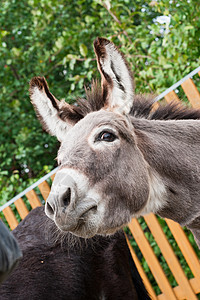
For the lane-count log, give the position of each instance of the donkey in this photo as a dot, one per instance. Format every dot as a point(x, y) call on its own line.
point(10, 253)
point(100, 268)
point(119, 159)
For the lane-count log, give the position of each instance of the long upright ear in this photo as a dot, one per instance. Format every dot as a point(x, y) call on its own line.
point(57, 117)
point(116, 78)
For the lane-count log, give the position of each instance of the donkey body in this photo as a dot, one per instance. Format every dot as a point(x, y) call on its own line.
point(10, 253)
point(119, 159)
point(96, 269)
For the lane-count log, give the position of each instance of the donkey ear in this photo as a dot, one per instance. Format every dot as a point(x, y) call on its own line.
point(57, 117)
point(116, 78)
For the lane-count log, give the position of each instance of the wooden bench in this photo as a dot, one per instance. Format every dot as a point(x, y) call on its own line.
point(184, 288)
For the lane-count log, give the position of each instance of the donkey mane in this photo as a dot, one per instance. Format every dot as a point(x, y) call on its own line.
point(143, 106)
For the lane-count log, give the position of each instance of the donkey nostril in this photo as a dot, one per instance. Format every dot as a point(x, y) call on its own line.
point(67, 197)
point(49, 208)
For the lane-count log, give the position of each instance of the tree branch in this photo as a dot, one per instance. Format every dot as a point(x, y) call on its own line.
point(15, 72)
point(116, 20)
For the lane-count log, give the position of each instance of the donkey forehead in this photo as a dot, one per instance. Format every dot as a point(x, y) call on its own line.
point(82, 130)
point(76, 140)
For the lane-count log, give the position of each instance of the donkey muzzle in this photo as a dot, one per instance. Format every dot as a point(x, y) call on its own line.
point(68, 204)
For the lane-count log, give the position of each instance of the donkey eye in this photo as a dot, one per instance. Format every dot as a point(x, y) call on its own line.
point(106, 136)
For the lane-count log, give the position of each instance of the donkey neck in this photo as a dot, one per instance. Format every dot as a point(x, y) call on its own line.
point(171, 149)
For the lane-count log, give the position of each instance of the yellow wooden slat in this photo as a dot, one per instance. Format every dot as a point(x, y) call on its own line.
point(195, 285)
point(172, 96)
point(179, 292)
point(185, 247)
point(191, 92)
point(33, 199)
point(53, 176)
point(44, 189)
point(170, 257)
point(10, 217)
point(21, 208)
point(151, 259)
point(155, 106)
point(141, 271)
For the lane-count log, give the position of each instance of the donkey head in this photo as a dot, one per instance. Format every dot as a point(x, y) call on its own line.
point(103, 178)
